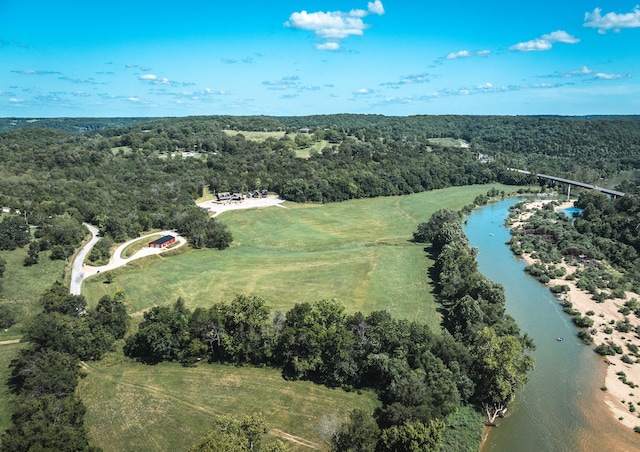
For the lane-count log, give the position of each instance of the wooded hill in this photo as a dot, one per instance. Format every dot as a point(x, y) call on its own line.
point(128, 179)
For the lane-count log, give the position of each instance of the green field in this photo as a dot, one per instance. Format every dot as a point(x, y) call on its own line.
point(255, 136)
point(22, 286)
point(359, 252)
point(167, 407)
point(318, 146)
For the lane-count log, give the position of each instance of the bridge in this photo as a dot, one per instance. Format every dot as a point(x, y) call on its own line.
point(570, 182)
point(575, 183)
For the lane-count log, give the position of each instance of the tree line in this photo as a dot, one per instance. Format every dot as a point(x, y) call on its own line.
point(47, 414)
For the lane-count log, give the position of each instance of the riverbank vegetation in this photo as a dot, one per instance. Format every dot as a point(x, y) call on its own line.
point(475, 315)
point(593, 257)
point(603, 239)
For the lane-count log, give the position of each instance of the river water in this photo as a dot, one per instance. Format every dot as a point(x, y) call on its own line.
point(561, 407)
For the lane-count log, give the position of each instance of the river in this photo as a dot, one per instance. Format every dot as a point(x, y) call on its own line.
point(561, 407)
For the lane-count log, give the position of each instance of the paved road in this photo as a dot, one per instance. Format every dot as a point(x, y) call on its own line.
point(77, 273)
point(80, 272)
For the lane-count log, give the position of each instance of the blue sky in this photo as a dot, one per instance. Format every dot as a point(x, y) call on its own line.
point(300, 57)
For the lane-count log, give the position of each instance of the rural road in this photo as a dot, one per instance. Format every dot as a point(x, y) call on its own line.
point(79, 271)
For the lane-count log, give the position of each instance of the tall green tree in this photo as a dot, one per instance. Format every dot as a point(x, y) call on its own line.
point(14, 233)
point(413, 437)
point(501, 369)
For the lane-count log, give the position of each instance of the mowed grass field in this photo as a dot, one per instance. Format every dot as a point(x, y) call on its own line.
point(135, 407)
point(359, 252)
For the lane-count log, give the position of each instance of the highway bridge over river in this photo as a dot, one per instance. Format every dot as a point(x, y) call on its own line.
point(575, 183)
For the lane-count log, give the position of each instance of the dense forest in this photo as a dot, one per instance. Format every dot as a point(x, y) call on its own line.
point(147, 174)
point(130, 175)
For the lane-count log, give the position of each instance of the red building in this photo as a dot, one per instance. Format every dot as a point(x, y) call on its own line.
point(162, 242)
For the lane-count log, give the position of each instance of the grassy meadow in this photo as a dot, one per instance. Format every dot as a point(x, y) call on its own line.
point(167, 407)
point(22, 286)
point(261, 136)
point(359, 252)
point(255, 135)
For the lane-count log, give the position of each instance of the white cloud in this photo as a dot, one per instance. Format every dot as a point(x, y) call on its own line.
point(331, 25)
point(460, 54)
point(612, 21)
point(376, 7)
point(603, 76)
point(560, 36)
point(467, 54)
point(545, 42)
point(363, 92)
point(334, 25)
point(292, 81)
point(584, 70)
point(409, 80)
point(331, 45)
point(155, 80)
point(535, 44)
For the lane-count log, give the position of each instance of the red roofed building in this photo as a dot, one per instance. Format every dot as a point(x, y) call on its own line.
point(162, 242)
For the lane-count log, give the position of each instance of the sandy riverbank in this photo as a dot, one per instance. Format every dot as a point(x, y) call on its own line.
point(618, 395)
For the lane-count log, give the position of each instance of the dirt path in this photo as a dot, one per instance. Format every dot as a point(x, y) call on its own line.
point(10, 341)
point(163, 393)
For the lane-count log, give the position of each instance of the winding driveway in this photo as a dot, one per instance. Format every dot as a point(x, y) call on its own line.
point(80, 271)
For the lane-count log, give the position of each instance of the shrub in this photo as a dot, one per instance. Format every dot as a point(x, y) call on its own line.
point(7, 316)
point(544, 279)
point(625, 310)
point(560, 288)
point(604, 350)
point(623, 326)
point(583, 322)
point(585, 337)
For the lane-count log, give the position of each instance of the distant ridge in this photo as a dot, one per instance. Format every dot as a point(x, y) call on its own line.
point(77, 125)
